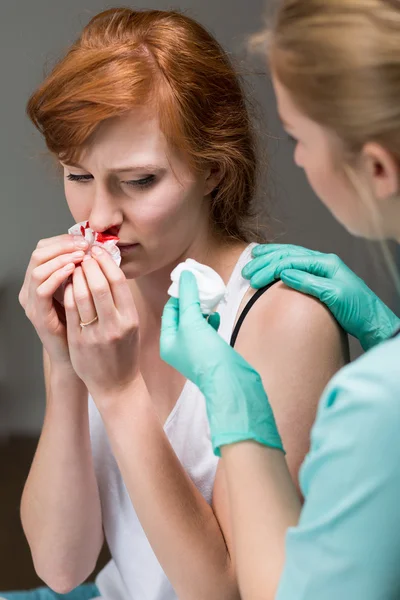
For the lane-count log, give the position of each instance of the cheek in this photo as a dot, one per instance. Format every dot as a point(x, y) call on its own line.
point(335, 193)
point(322, 178)
point(78, 200)
point(164, 212)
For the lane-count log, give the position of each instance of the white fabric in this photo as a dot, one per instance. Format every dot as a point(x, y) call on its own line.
point(211, 286)
point(134, 572)
point(96, 239)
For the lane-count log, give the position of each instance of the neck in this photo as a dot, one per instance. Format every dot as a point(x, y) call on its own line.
point(150, 291)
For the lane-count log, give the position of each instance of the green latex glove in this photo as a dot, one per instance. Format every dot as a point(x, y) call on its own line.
point(356, 308)
point(237, 405)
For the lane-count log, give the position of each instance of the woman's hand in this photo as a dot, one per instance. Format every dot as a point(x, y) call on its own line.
point(104, 354)
point(356, 308)
point(52, 262)
point(237, 405)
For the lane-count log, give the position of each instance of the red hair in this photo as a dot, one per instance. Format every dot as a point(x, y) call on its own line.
point(125, 59)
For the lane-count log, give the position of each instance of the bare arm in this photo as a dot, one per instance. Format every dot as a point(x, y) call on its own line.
point(60, 507)
point(180, 526)
point(299, 350)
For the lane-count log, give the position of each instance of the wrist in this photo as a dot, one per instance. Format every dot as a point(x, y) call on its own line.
point(231, 380)
point(116, 403)
point(238, 407)
point(65, 376)
point(67, 396)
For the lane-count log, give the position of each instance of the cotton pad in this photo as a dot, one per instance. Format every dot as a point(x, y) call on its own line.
point(94, 238)
point(211, 287)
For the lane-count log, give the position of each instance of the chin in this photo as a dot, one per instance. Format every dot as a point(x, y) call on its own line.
point(132, 271)
point(369, 231)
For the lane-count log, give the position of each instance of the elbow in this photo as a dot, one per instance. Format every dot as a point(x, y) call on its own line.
point(61, 583)
point(60, 579)
point(258, 594)
point(60, 586)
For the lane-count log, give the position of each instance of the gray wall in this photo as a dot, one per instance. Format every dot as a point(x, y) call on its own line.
point(35, 33)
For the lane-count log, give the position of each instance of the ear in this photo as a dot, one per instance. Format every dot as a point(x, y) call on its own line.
point(382, 170)
point(213, 178)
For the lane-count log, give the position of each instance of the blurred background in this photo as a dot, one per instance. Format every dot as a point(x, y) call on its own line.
point(33, 35)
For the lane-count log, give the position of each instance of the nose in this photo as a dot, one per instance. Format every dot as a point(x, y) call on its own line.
point(105, 213)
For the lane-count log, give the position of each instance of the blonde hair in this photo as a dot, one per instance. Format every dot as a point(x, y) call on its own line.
point(340, 62)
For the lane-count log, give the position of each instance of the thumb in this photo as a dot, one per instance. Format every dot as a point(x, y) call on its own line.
point(214, 320)
point(189, 301)
point(169, 327)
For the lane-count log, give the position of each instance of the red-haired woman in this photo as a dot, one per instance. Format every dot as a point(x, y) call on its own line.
point(148, 120)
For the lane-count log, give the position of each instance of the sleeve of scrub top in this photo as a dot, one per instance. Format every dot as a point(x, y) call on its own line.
point(347, 543)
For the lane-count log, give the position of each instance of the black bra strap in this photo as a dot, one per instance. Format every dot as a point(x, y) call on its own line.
point(246, 309)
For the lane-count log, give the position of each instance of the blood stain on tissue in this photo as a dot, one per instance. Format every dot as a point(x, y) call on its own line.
point(87, 226)
point(100, 237)
point(104, 237)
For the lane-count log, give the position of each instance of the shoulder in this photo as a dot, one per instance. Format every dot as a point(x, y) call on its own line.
point(293, 322)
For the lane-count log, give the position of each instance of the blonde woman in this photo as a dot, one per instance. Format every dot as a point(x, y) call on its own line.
point(336, 72)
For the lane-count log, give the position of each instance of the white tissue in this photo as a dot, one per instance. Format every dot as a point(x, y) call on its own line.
point(211, 287)
point(108, 242)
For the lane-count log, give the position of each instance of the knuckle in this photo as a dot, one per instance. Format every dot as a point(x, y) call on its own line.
point(112, 337)
point(334, 258)
point(81, 296)
point(132, 325)
point(100, 291)
point(35, 276)
point(328, 296)
point(340, 294)
point(119, 278)
point(68, 303)
point(36, 256)
point(40, 293)
point(22, 297)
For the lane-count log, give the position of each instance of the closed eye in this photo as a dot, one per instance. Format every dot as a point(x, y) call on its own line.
point(82, 178)
point(142, 183)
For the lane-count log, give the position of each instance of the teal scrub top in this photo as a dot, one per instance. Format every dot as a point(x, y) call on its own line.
point(347, 543)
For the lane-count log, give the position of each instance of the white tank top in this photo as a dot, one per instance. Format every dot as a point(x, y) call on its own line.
point(134, 572)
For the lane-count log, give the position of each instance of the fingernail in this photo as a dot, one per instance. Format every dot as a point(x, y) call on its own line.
point(78, 254)
point(97, 250)
point(87, 257)
point(80, 242)
point(69, 267)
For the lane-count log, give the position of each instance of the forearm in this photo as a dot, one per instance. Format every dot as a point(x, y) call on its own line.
point(180, 526)
point(264, 503)
point(60, 507)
